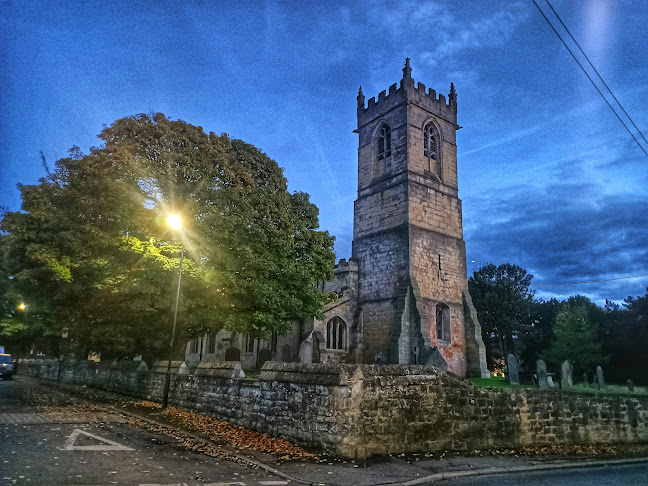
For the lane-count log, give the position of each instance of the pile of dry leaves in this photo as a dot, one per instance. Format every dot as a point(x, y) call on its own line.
point(224, 432)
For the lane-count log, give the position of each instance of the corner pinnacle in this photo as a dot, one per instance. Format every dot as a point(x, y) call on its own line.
point(407, 70)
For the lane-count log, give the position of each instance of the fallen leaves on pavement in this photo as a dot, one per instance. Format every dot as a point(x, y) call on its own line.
point(148, 404)
point(240, 437)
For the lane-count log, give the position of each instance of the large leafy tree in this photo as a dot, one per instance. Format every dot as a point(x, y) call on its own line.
point(534, 336)
point(91, 251)
point(503, 300)
point(576, 337)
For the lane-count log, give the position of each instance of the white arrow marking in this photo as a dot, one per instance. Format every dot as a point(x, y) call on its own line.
point(108, 445)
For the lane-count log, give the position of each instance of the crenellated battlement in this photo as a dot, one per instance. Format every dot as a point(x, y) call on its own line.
point(345, 265)
point(410, 92)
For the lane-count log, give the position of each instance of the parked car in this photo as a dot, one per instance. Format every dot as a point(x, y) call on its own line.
point(6, 366)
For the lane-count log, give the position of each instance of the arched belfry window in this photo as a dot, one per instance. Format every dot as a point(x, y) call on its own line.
point(443, 323)
point(336, 334)
point(384, 142)
point(432, 148)
point(431, 143)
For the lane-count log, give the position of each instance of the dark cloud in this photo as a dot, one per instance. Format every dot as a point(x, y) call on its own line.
point(565, 233)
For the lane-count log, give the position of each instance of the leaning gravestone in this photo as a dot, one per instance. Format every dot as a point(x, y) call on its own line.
point(306, 350)
point(566, 375)
point(541, 371)
point(585, 380)
point(433, 357)
point(513, 369)
point(599, 378)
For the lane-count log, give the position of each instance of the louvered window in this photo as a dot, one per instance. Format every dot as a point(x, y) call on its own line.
point(384, 142)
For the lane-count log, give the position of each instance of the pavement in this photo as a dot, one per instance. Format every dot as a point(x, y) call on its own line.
point(404, 470)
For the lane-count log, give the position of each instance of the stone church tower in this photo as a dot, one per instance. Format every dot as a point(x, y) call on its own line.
point(408, 237)
point(403, 296)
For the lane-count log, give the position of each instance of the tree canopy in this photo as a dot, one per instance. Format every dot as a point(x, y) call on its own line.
point(90, 251)
point(614, 336)
point(503, 301)
point(626, 339)
point(576, 337)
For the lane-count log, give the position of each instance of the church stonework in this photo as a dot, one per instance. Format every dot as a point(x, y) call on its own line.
point(403, 296)
point(408, 236)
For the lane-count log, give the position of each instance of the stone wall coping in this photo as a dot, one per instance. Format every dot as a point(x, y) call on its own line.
point(223, 369)
point(315, 373)
point(342, 374)
point(161, 366)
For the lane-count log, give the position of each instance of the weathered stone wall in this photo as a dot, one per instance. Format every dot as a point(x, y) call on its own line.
point(423, 110)
point(361, 410)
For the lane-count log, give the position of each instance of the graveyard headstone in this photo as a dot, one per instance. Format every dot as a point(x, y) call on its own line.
point(566, 375)
point(541, 371)
point(600, 381)
point(513, 369)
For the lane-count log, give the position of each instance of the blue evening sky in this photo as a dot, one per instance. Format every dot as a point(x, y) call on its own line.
point(550, 180)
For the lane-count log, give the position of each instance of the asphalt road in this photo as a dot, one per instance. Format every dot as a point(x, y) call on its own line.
point(48, 440)
point(628, 475)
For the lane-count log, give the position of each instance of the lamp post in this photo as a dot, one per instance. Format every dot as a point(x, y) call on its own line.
point(23, 308)
point(175, 222)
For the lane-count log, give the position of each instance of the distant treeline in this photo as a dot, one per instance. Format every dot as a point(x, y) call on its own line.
point(513, 321)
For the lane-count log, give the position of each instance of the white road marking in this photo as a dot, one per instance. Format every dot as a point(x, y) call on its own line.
point(108, 445)
point(156, 484)
point(273, 483)
point(225, 484)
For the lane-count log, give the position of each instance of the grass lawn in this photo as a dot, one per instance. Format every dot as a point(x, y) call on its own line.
point(495, 382)
point(500, 382)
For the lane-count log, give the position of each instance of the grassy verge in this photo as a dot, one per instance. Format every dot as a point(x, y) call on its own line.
point(495, 382)
point(500, 382)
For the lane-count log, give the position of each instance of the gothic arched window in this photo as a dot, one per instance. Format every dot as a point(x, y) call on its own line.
point(384, 142)
point(194, 345)
point(443, 323)
point(249, 343)
point(211, 343)
point(336, 334)
point(431, 142)
point(432, 148)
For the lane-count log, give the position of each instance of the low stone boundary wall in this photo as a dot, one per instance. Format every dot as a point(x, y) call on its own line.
point(362, 410)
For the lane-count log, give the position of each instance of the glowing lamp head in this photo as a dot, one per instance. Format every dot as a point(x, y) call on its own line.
point(174, 221)
point(22, 306)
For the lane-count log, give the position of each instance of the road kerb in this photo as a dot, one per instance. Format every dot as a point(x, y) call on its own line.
point(432, 478)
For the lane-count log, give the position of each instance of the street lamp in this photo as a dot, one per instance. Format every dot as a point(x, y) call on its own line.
point(175, 222)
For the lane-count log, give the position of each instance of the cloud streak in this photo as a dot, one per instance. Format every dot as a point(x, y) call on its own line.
point(566, 233)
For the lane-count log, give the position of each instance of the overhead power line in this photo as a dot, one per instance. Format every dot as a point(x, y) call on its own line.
point(591, 281)
point(589, 77)
point(44, 161)
point(596, 71)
